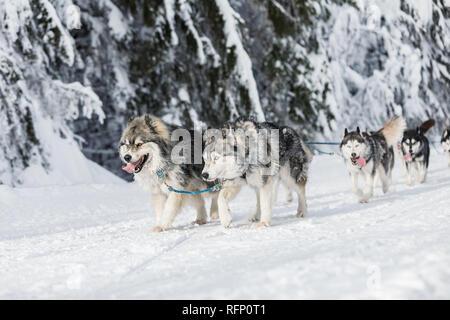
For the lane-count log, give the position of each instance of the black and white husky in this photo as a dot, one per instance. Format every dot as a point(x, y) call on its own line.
point(241, 153)
point(371, 155)
point(416, 152)
point(146, 149)
point(445, 142)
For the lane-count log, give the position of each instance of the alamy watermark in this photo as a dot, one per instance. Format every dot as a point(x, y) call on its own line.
point(259, 147)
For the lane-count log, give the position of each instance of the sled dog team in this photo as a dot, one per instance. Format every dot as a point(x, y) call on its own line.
point(258, 154)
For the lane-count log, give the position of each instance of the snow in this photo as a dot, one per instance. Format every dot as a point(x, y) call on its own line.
point(117, 23)
point(66, 42)
point(169, 6)
point(185, 13)
point(93, 241)
point(243, 62)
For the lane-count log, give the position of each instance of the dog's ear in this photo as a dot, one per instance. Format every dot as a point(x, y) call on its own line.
point(445, 134)
point(358, 131)
point(211, 135)
point(131, 118)
point(224, 132)
point(345, 132)
point(418, 130)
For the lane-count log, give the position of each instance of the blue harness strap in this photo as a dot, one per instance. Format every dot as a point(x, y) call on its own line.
point(310, 144)
point(217, 187)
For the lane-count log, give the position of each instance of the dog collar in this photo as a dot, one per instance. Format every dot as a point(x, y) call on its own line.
point(160, 174)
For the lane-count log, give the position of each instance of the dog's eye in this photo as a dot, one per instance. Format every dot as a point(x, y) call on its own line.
point(356, 146)
point(216, 157)
point(138, 145)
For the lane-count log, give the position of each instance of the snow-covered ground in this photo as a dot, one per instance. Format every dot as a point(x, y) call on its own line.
point(94, 241)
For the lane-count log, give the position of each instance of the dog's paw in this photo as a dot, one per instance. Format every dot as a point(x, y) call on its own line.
point(253, 218)
point(225, 222)
point(363, 200)
point(157, 229)
point(199, 221)
point(262, 224)
point(214, 215)
point(300, 214)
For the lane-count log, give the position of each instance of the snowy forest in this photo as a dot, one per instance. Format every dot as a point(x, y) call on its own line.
point(72, 72)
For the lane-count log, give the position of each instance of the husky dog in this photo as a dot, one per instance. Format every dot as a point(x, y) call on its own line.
point(230, 159)
point(371, 154)
point(445, 142)
point(416, 151)
point(146, 148)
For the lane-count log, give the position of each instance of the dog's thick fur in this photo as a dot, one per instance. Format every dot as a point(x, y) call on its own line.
point(227, 159)
point(148, 139)
point(416, 152)
point(445, 142)
point(371, 155)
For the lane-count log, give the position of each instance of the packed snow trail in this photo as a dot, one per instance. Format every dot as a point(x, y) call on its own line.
point(94, 241)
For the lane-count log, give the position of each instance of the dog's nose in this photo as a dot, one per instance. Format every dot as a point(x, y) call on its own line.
point(353, 155)
point(127, 158)
point(205, 175)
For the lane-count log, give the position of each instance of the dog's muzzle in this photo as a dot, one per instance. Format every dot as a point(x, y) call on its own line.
point(136, 167)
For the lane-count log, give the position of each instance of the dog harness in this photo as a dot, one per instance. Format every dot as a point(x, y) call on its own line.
point(161, 175)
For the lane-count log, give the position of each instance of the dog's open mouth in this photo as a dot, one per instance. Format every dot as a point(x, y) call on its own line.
point(135, 167)
point(358, 161)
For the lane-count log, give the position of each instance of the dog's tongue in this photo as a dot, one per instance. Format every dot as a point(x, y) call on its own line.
point(361, 161)
point(407, 156)
point(129, 167)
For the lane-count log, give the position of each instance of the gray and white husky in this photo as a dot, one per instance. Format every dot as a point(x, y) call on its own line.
point(371, 155)
point(146, 149)
point(445, 142)
point(242, 153)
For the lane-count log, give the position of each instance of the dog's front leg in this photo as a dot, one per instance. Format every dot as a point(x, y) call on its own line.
point(417, 171)
point(356, 190)
point(368, 189)
point(257, 215)
point(274, 193)
point(265, 200)
point(422, 172)
point(171, 209)
point(159, 200)
point(409, 173)
point(214, 210)
point(199, 204)
point(225, 195)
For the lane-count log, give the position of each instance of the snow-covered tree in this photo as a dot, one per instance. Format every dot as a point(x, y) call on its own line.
point(35, 104)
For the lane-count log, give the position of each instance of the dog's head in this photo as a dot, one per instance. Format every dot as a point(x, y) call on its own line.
point(412, 141)
point(445, 140)
point(221, 156)
point(144, 143)
point(353, 145)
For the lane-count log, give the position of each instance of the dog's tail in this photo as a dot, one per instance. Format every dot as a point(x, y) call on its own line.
point(393, 130)
point(424, 127)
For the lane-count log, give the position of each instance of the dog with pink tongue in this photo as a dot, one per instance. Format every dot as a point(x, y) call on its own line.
point(371, 156)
